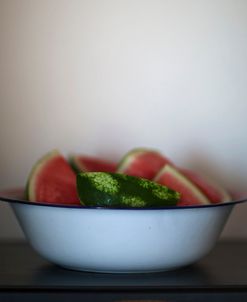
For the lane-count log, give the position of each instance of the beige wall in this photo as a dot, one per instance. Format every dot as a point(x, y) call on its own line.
point(101, 77)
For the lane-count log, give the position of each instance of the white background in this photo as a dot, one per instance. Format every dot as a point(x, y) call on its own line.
point(101, 77)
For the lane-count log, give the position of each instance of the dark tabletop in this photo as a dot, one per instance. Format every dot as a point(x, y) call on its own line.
point(223, 270)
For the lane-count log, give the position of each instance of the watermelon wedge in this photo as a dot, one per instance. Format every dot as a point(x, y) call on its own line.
point(142, 162)
point(190, 194)
point(52, 181)
point(120, 190)
point(82, 163)
point(213, 191)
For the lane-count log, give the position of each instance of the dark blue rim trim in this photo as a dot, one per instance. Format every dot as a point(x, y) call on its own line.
point(42, 204)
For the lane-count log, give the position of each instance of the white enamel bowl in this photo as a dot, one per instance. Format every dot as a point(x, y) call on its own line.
point(120, 240)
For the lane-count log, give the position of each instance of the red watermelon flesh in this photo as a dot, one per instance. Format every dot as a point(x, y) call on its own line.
point(172, 178)
point(142, 163)
point(92, 164)
point(215, 193)
point(53, 181)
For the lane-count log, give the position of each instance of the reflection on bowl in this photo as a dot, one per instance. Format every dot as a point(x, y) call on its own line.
point(120, 240)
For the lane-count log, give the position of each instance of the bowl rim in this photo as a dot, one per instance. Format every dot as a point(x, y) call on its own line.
point(15, 200)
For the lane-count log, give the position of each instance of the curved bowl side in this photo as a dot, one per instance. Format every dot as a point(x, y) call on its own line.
point(121, 241)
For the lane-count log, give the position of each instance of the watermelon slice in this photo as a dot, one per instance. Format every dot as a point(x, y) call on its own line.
point(213, 191)
point(53, 181)
point(190, 194)
point(120, 190)
point(82, 163)
point(142, 163)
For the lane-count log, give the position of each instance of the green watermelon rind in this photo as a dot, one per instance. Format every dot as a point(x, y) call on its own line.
point(119, 190)
point(30, 186)
point(131, 156)
point(75, 164)
point(189, 184)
